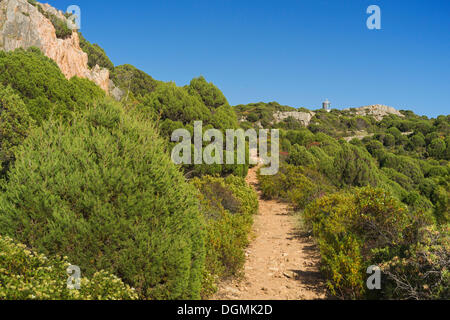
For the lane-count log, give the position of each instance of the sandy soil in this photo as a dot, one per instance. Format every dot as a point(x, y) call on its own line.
point(282, 264)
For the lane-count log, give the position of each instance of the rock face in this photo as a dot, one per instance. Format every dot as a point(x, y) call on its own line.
point(303, 117)
point(377, 111)
point(23, 26)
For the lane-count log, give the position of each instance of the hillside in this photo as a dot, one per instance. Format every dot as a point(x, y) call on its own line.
point(88, 176)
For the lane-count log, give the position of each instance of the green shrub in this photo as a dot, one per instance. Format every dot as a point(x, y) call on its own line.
point(228, 206)
point(103, 192)
point(26, 275)
point(297, 185)
point(355, 167)
point(437, 148)
point(400, 178)
point(129, 78)
point(15, 123)
point(174, 103)
point(405, 165)
point(300, 156)
point(96, 55)
point(42, 87)
point(425, 271)
point(356, 230)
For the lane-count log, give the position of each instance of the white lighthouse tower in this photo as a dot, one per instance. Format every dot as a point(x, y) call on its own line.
point(326, 105)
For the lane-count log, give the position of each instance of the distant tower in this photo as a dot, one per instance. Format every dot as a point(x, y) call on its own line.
point(326, 105)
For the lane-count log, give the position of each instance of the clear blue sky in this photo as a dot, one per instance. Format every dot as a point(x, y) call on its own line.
point(295, 52)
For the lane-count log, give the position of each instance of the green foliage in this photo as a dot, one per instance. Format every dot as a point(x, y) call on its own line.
point(223, 116)
point(103, 191)
point(340, 123)
point(355, 167)
point(15, 123)
point(437, 148)
point(260, 112)
point(96, 55)
point(405, 165)
point(423, 274)
point(26, 275)
point(356, 230)
point(134, 81)
point(211, 96)
point(404, 181)
point(175, 103)
point(300, 156)
point(42, 87)
point(228, 206)
point(298, 185)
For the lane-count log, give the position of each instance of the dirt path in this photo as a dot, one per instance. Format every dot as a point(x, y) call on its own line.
point(281, 264)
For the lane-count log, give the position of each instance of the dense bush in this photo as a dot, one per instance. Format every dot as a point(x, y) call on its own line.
point(298, 185)
point(15, 123)
point(103, 191)
point(228, 206)
point(300, 156)
point(354, 166)
point(43, 88)
point(261, 112)
point(96, 55)
point(356, 230)
point(424, 272)
point(223, 116)
point(175, 103)
point(133, 81)
point(26, 275)
point(405, 165)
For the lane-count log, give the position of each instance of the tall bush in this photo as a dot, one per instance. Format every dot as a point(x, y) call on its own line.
point(103, 192)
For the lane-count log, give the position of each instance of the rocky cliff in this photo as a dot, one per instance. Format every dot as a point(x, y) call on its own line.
point(22, 25)
point(377, 111)
point(304, 117)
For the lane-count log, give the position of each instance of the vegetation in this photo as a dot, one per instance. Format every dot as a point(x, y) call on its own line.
point(228, 206)
point(397, 217)
point(133, 81)
point(96, 55)
point(104, 183)
point(27, 275)
point(15, 123)
point(42, 87)
point(91, 180)
point(78, 169)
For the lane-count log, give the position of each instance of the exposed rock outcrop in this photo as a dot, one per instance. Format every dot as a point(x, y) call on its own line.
point(303, 117)
point(23, 26)
point(377, 111)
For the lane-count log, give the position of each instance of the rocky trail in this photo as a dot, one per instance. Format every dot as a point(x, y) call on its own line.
point(282, 264)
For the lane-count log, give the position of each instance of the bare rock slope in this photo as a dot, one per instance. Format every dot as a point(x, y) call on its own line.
point(378, 111)
point(23, 26)
point(303, 117)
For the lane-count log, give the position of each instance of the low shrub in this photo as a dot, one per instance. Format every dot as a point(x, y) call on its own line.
point(297, 185)
point(27, 275)
point(425, 271)
point(228, 205)
point(356, 230)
